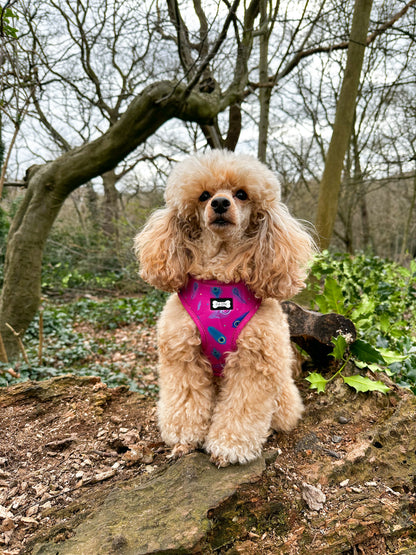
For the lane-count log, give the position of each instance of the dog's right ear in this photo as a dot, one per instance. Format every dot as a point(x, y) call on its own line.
point(161, 250)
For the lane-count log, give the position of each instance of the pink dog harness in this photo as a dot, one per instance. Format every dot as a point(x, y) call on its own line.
point(220, 311)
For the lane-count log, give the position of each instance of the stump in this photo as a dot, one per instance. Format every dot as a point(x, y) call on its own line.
point(313, 331)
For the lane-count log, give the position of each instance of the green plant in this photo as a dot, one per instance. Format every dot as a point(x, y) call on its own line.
point(379, 296)
point(361, 351)
point(115, 312)
point(67, 350)
point(80, 256)
point(6, 15)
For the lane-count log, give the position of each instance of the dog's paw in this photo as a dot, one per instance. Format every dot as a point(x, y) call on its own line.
point(224, 456)
point(181, 449)
point(219, 461)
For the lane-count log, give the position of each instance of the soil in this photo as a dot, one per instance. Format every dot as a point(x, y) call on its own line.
point(69, 439)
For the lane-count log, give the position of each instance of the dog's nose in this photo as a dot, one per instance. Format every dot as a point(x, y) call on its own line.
point(220, 204)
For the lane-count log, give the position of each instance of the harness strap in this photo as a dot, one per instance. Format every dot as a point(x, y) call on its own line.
point(220, 311)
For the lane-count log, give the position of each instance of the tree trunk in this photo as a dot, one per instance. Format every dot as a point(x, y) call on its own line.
point(110, 213)
point(265, 92)
point(313, 332)
point(406, 231)
point(360, 195)
point(365, 223)
point(93, 213)
point(329, 189)
point(50, 184)
point(22, 270)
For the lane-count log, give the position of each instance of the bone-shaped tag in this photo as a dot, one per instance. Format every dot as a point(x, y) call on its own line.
point(221, 304)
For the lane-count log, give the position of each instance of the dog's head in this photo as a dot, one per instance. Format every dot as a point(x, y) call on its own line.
point(226, 212)
point(222, 191)
point(233, 202)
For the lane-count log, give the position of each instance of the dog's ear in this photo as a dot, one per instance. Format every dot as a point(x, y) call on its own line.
point(280, 254)
point(161, 250)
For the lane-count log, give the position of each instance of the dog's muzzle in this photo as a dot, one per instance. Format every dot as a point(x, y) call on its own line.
point(220, 205)
point(221, 215)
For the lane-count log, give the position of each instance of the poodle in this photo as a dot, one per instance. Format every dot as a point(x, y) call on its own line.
point(229, 251)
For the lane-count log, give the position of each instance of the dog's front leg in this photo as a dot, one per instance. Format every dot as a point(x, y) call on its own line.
point(185, 378)
point(257, 390)
point(243, 412)
point(253, 377)
point(185, 405)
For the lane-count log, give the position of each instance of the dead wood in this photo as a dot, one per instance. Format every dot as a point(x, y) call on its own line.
point(313, 331)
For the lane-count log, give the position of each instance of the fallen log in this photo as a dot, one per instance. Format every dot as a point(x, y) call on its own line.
point(313, 331)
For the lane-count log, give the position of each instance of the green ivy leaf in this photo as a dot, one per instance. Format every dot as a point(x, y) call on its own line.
point(366, 353)
point(385, 323)
point(340, 346)
point(391, 356)
point(317, 382)
point(373, 367)
point(334, 296)
point(360, 383)
point(365, 308)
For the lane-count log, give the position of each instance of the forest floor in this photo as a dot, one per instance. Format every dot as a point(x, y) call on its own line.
point(70, 439)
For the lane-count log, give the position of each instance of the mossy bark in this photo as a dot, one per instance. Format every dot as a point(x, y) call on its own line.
point(167, 514)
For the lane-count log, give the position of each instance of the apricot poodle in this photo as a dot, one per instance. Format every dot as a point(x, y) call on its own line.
point(229, 251)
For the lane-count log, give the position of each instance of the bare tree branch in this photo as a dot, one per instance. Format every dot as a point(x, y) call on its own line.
point(343, 45)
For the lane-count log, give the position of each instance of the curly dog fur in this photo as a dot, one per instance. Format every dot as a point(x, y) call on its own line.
point(251, 238)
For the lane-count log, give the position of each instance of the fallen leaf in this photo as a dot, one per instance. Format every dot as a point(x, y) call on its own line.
point(313, 496)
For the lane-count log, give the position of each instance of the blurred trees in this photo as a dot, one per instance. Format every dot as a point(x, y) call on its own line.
point(377, 174)
point(329, 187)
point(184, 96)
point(116, 86)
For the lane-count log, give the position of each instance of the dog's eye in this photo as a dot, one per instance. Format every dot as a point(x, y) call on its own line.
point(241, 195)
point(205, 196)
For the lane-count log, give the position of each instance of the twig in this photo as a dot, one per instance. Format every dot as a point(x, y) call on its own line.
point(21, 346)
point(3, 357)
point(205, 62)
point(10, 371)
point(214, 49)
point(20, 183)
point(7, 158)
point(40, 349)
point(3, 352)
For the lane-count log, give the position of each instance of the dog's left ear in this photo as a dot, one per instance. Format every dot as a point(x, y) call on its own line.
point(280, 255)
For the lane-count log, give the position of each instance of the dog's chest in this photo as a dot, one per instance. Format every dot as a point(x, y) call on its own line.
point(220, 311)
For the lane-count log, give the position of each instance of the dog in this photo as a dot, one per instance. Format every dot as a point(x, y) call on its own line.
point(229, 251)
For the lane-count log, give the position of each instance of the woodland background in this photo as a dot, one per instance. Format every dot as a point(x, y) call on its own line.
point(99, 99)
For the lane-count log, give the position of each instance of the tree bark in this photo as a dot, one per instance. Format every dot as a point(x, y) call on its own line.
point(329, 189)
point(110, 212)
point(265, 92)
point(313, 331)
